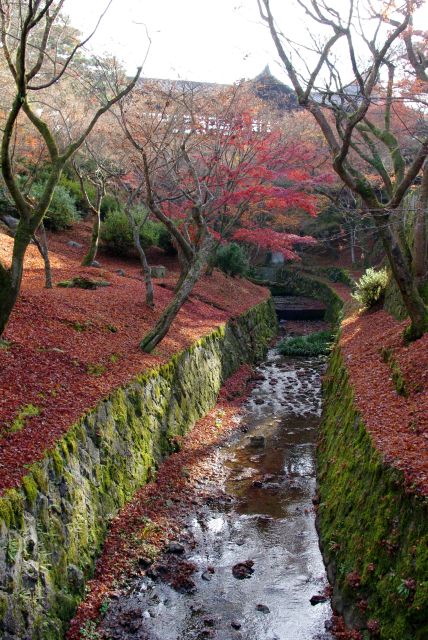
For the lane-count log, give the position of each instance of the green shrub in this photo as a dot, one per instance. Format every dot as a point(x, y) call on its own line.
point(338, 274)
point(62, 212)
point(116, 231)
point(232, 259)
point(370, 288)
point(109, 203)
point(314, 344)
point(165, 242)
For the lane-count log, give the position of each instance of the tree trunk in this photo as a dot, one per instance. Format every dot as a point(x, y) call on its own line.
point(152, 339)
point(95, 238)
point(150, 302)
point(42, 245)
point(420, 233)
point(403, 276)
point(212, 259)
point(10, 279)
point(353, 242)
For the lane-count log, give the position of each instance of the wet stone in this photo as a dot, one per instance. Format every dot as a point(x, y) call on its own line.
point(258, 442)
point(175, 547)
point(262, 608)
point(243, 570)
point(318, 599)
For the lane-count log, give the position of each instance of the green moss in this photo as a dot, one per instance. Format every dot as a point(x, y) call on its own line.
point(12, 549)
point(369, 524)
point(95, 368)
point(19, 422)
point(396, 373)
point(30, 488)
point(3, 605)
point(12, 508)
point(57, 460)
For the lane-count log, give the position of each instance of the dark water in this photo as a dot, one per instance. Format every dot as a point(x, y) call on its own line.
point(268, 519)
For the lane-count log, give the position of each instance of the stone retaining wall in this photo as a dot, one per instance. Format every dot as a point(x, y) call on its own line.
point(53, 525)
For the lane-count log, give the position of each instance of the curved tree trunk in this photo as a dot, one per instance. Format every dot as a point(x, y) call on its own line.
point(42, 245)
point(403, 276)
point(421, 237)
point(152, 339)
point(95, 238)
point(10, 279)
point(143, 258)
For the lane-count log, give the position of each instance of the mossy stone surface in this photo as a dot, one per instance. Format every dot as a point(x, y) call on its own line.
point(53, 526)
point(374, 532)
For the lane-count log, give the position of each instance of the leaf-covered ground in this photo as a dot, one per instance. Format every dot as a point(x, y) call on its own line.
point(390, 381)
point(65, 349)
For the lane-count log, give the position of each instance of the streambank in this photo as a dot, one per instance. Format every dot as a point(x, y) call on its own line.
point(53, 525)
point(372, 523)
point(373, 530)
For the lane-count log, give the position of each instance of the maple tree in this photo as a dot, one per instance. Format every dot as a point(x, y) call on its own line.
point(205, 166)
point(341, 108)
point(38, 55)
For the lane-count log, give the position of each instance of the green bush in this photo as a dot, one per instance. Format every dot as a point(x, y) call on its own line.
point(370, 288)
point(165, 242)
point(314, 344)
point(116, 231)
point(338, 274)
point(232, 259)
point(62, 212)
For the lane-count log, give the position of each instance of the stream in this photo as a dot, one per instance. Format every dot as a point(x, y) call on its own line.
point(253, 552)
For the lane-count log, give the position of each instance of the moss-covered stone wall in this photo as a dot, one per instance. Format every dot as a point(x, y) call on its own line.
point(374, 534)
point(53, 525)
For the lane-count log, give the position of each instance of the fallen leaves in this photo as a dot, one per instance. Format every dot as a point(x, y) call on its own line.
point(68, 348)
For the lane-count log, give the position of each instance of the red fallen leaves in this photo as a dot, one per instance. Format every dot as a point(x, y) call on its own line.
point(71, 347)
point(165, 502)
point(397, 425)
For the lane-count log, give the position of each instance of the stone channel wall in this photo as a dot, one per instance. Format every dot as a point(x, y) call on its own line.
point(53, 525)
point(373, 531)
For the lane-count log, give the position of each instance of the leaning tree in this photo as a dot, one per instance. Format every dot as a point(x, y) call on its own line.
point(203, 168)
point(355, 76)
point(39, 56)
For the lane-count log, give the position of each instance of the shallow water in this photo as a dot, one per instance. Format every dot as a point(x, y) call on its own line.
point(267, 518)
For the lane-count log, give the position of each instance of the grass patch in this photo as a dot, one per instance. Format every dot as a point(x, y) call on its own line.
point(396, 373)
point(314, 344)
point(80, 282)
point(28, 411)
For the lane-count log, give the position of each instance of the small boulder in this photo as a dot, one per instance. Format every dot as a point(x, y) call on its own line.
point(318, 599)
point(95, 264)
point(74, 245)
point(243, 570)
point(158, 271)
point(207, 576)
point(11, 222)
point(257, 442)
point(262, 608)
point(175, 547)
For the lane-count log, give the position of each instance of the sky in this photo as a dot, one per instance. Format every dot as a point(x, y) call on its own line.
point(212, 40)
